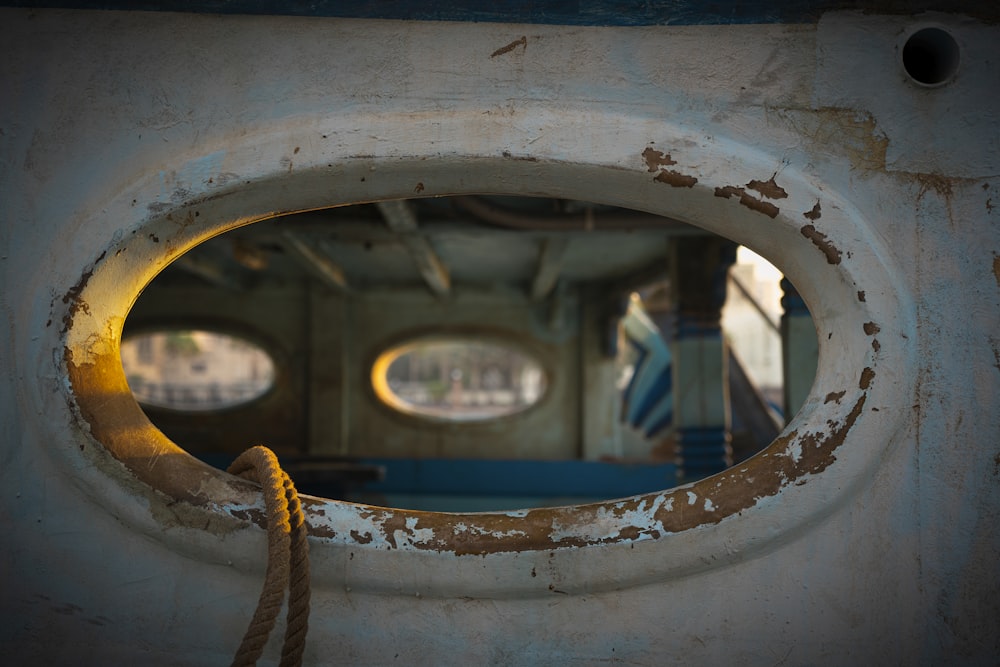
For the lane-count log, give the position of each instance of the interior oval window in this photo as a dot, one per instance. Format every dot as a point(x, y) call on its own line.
point(458, 379)
point(195, 371)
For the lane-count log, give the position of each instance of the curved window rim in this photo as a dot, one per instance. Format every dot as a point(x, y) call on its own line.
point(215, 328)
point(402, 344)
point(839, 431)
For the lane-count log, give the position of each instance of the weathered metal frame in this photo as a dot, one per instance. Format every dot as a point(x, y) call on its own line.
point(843, 260)
point(865, 529)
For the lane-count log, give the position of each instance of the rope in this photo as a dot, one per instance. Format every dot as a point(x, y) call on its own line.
point(287, 561)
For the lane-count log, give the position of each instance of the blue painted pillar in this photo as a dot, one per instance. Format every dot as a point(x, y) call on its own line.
point(799, 349)
point(699, 271)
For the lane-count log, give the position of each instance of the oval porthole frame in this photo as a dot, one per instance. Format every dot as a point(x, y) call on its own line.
point(218, 329)
point(488, 335)
point(829, 450)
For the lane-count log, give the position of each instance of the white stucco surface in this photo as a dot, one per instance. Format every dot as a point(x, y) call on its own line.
point(126, 138)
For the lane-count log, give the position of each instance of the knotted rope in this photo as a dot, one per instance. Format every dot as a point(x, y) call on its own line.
point(287, 561)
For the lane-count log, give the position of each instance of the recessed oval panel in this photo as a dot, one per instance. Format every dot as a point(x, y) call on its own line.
point(195, 371)
point(458, 379)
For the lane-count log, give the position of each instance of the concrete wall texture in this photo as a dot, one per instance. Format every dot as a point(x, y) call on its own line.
point(865, 534)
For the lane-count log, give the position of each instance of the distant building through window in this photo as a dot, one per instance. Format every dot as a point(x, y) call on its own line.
point(194, 370)
point(458, 379)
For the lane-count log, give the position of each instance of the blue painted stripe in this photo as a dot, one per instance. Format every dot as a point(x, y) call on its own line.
point(636, 371)
point(553, 12)
point(489, 477)
point(659, 390)
point(521, 478)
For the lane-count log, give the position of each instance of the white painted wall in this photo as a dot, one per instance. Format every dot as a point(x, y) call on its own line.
point(116, 127)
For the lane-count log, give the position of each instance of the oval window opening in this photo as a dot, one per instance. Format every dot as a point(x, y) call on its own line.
point(458, 379)
point(535, 352)
point(195, 371)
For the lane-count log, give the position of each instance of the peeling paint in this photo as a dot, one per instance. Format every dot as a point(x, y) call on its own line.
point(867, 375)
point(656, 159)
point(768, 188)
point(834, 396)
point(815, 213)
point(748, 200)
point(110, 409)
point(676, 179)
point(820, 240)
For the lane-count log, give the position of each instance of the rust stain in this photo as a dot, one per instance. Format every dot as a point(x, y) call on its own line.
point(855, 133)
point(676, 179)
point(820, 241)
point(871, 328)
point(867, 376)
point(834, 396)
point(936, 182)
point(748, 200)
point(861, 296)
point(769, 188)
point(996, 268)
point(814, 214)
point(361, 539)
point(72, 297)
point(252, 515)
point(523, 42)
point(419, 187)
point(656, 159)
point(876, 345)
point(320, 531)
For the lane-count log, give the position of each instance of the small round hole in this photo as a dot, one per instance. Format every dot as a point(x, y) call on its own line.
point(930, 56)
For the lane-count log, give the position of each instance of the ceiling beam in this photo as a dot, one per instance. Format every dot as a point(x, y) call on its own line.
point(550, 264)
point(318, 263)
point(401, 219)
point(209, 270)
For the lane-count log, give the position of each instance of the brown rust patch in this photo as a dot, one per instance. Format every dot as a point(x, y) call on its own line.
point(523, 42)
point(853, 133)
point(834, 396)
point(656, 159)
point(319, 531)
point(769, 476)
point(820, 241)
point(876, 345)
point(996, 268)
point(72, 297)
point(419, 187)
point(871, 328)
point(748, 200)
point(768, 188)
point(252, 515)
point(361, 538)
point(867, 376)
point(815, 213)
point(676, 179)
point(861, 296)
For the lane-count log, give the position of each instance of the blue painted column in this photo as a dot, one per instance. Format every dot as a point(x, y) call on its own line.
point(699, 269)
point(799, 349)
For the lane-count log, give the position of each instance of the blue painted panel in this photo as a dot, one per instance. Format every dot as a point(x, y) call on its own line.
point(555, 12)
point(521, 478)
point(479, 481)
